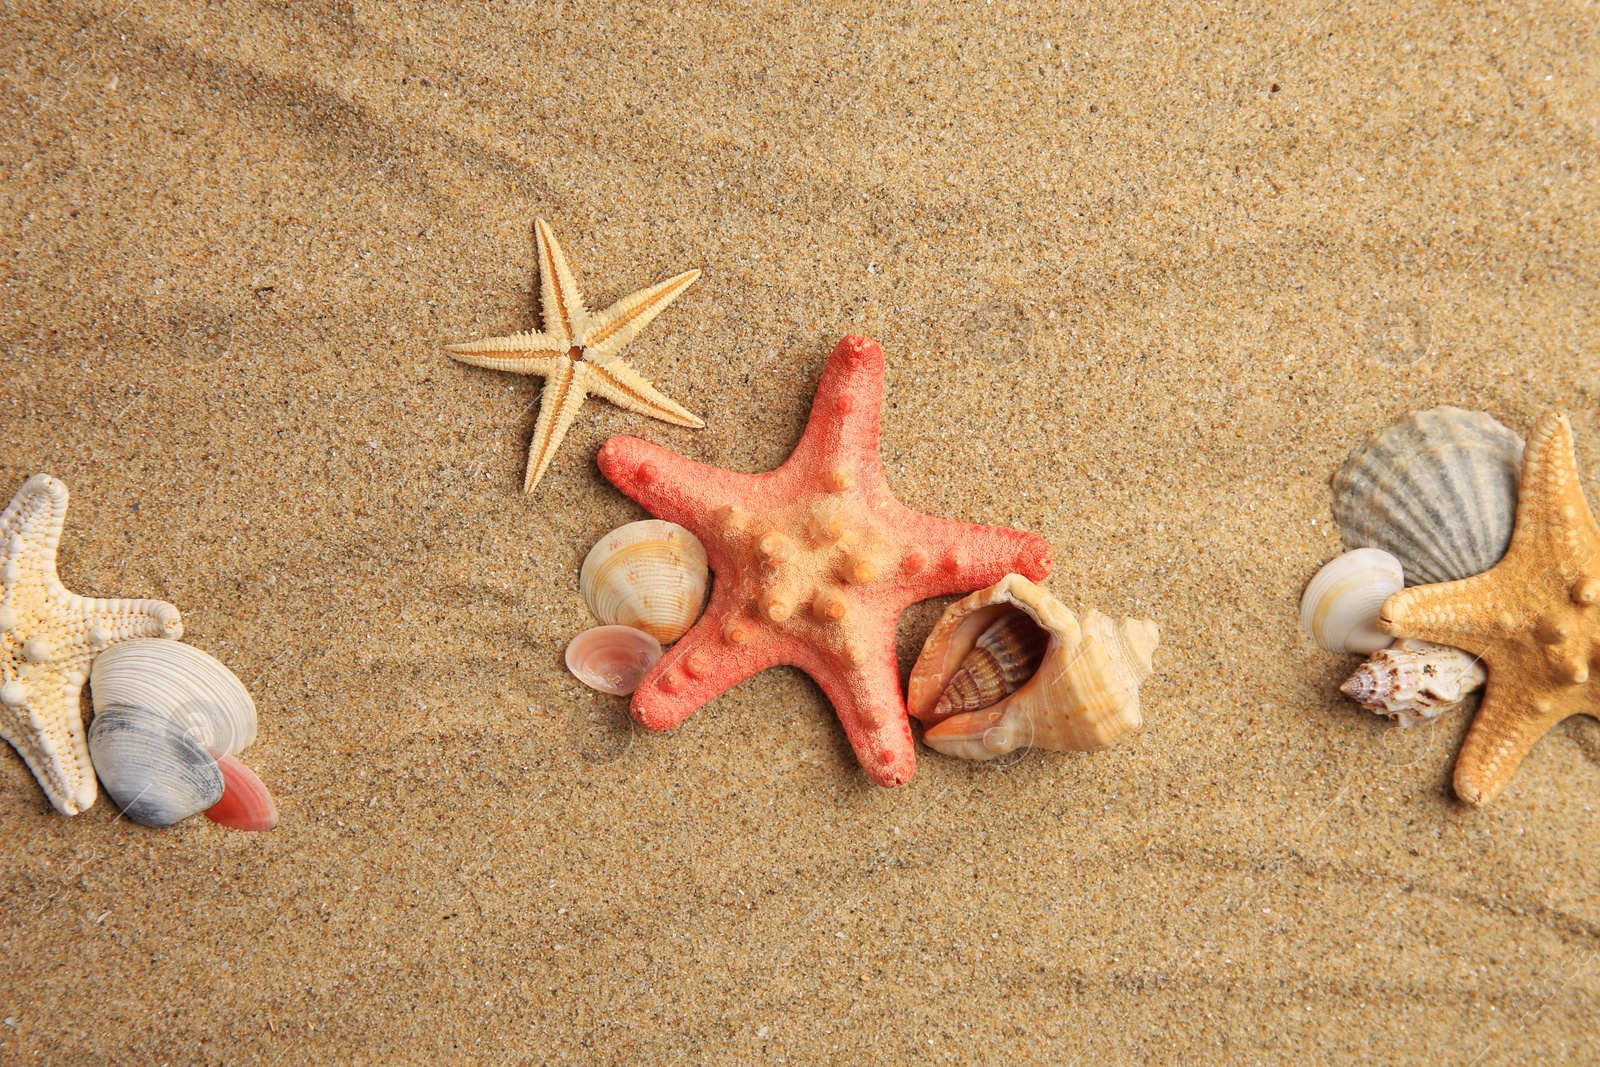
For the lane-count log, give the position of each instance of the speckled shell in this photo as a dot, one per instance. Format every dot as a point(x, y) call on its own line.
point(1438, 490)
point(612, 659)
point(650, 575)
point(181, 682)
point(155, 769)
point(1341, 603)
point(1084, 696)
point(1413, 681)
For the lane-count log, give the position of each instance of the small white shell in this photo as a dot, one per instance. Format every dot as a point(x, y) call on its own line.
point(650, 575)
point(181, 682)
point(1413, 681)
point(151, 765)
point(1438, 490)
point(612, 659)
point(1341, 603)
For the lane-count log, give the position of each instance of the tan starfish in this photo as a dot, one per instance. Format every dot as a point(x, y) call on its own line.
point(579, 353)
point(1532, 617)
point(48, 638)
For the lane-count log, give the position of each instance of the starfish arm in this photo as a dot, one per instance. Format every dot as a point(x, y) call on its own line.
point(844, 420)
point(609, 332)
point(946, 557)
point(564, 314)
point(1464, 614)
point(41, 503)
point(672, 487)
point(1502, 733)
point(564, 390)
point(871, 710)
point(520, 353)
point(626, 388)
point(702, 665)
point(1552, 490)
point(47, 731)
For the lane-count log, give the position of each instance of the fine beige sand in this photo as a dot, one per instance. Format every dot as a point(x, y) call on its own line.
point(1142, 278)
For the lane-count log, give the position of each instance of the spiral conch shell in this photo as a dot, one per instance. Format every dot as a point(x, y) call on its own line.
point(1437, 490)
point(1413, 681)
point(650, 575)
point(1084, 694)
point(1341, 603)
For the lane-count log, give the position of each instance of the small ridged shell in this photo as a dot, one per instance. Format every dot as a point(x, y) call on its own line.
point(182, 682)
point(650, 575)
point(612, 659)
point(1083, 696)
point(246, 804)
point(151, 765)
point(1413, 681)
point(1437, 490)
point(1005, 655)
point(1341, 602)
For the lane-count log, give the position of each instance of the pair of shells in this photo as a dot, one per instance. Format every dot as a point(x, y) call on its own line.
point(169, 722)
point(647, 582)
point(1011, 667)
point(1409, 680)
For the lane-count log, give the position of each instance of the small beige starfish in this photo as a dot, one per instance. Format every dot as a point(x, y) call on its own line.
point(48, 638)
point(579, 353)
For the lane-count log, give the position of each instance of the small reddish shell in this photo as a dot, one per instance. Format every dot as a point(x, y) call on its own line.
point(612, 659)
point(246, 804)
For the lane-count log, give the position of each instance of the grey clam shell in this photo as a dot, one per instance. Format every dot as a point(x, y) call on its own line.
point(153, 766)
point(1437, 490)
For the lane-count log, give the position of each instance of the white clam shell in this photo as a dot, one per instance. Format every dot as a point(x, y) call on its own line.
point(153, 766)
point(1341, 603)
point(180, 682)
point(1437, 490)
point(650, 575)
point(612, 659)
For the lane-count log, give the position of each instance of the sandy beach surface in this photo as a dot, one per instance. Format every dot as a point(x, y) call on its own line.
point(1142, 279)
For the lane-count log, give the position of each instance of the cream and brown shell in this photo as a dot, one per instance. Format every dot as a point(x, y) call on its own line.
point(1413, 680)
point(1437, 490)
point(650, 575)
point(1084, 694)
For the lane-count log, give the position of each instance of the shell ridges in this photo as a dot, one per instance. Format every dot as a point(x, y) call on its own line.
point(650, 575)
point(1438, 490)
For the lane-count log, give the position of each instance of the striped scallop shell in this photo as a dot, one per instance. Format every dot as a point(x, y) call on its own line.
point(650, 575)
point(1438, 490)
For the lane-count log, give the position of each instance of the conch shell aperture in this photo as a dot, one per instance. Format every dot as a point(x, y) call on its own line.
point(1083, 696)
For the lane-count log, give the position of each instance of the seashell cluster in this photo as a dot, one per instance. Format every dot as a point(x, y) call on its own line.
point(1081, 694)
point(1437, 490)
point(650, 575)
point(1413, 681)
point(1340, 606)
point(612, 659)
point(169, 722)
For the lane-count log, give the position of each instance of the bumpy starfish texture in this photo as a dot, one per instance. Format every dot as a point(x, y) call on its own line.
point(814, 563)
point(579, 353)
point(48, 638)
point(1534, 617)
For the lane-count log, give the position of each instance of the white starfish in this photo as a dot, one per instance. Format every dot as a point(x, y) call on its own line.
point(579, 353)
point(48, 638)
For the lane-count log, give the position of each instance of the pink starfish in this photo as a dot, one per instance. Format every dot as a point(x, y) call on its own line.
point(814, 563)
